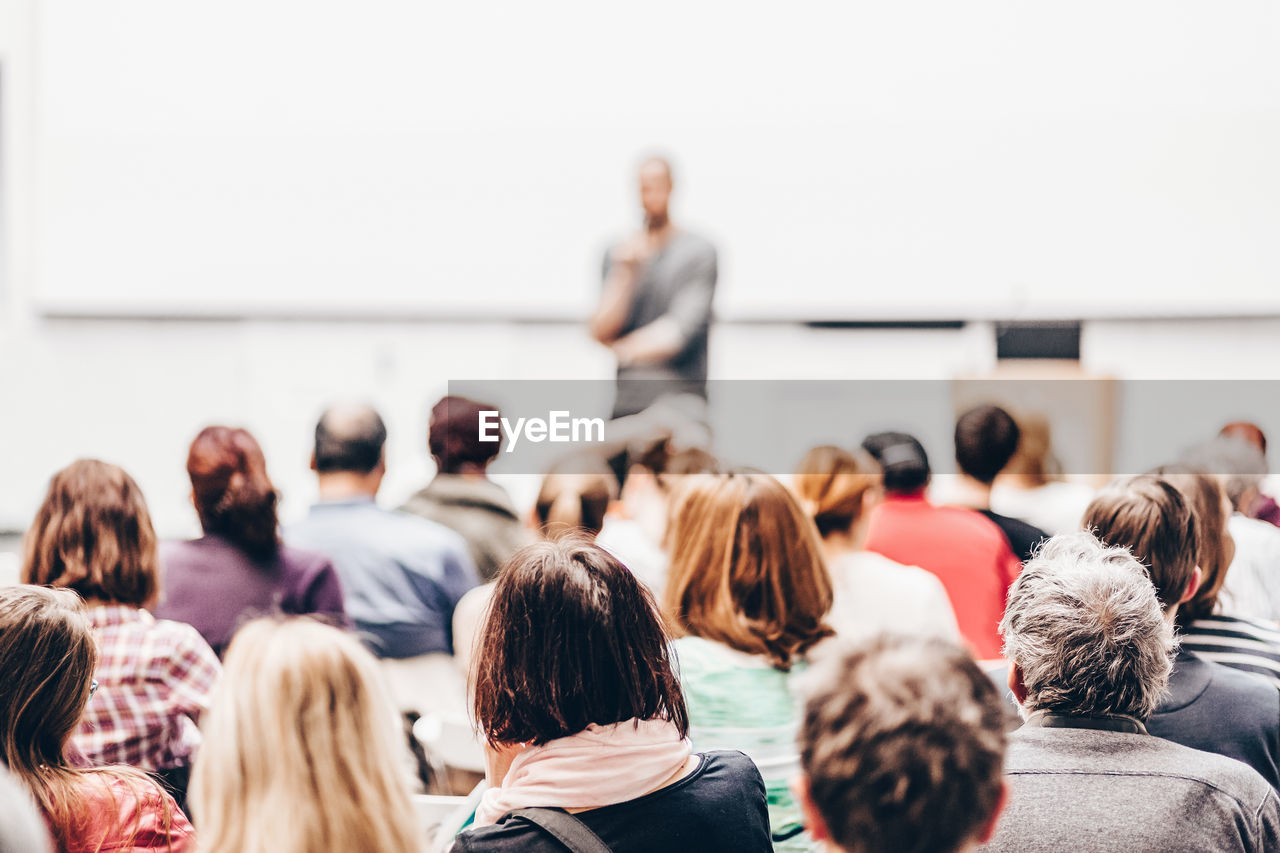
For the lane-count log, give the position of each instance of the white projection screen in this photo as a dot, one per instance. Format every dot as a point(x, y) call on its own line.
point(867, 160)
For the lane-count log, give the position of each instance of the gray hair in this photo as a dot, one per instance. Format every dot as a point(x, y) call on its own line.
point(1240, 465)
point(1084, 626)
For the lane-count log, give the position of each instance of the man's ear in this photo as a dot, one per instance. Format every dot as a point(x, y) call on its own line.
point(813, 822)
point(1193, 586)
point(1016, 685)
point(988, 830)
point(313, 462)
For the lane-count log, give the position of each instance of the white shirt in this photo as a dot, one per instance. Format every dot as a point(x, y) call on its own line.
point(1054, 507)
point(875, 594)
point(1252, 587)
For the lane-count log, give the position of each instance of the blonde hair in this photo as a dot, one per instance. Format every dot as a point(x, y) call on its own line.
point(300, 748)
point(831, 483)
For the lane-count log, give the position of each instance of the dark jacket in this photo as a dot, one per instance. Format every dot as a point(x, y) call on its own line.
point(477, 509)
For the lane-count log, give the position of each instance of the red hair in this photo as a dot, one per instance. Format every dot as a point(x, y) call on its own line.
point(233, 495)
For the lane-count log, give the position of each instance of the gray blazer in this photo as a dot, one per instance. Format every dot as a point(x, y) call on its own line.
point(1104, 784)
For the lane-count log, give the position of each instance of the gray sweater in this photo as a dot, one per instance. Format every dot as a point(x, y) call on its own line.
point(1113, 787)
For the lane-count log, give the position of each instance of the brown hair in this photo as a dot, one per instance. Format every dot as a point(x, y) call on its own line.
point(746, 567)
point(902, 743)
point(233, 495)
point(47, 655)
point(575, 496)
point(93, 534)
point(1149, 517)
point(1214, 545)
point(831, 483)
point(571, 638)
point(453, 436)
point(1034, 458)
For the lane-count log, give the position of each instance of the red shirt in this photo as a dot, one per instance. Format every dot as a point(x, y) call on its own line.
point(966, 551)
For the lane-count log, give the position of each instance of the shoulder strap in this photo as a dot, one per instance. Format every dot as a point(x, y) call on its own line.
point(565, 828)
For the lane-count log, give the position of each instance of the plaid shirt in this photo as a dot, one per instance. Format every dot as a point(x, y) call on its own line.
point(155, 677)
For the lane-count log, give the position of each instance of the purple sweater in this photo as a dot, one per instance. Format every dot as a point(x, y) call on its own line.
point(214, 586)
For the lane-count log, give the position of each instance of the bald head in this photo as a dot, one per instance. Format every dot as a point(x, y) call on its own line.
point(655, 189)
point(349, 437)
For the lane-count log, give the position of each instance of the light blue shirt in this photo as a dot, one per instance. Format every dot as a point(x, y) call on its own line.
point(401, 575)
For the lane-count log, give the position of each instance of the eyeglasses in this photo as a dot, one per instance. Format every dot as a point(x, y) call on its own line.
point(93, 687)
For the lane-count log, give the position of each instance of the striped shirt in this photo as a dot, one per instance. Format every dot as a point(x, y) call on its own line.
point(154, 677)
point(1249, 644)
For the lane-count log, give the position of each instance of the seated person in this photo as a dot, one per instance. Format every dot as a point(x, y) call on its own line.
point(93, 534)
point(1031, 486)
point(239, 568)
point(585, 723)
point(1091, 651)
point(986, 439)
point(1207, 706)
point(48, 657)
point(967, 552)
point(839, 490)
point(898, 708)
point(1256, 504)
point(461, 496)
point(301, 748)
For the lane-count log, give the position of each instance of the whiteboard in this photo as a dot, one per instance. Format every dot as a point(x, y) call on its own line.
point(851, 161)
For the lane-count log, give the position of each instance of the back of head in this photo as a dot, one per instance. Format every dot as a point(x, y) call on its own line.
point(349, 438)
point(832, 484)
point(1085, 628)
point(575, 496)
point(1034, 460)
point(902, 457)
point(746, 567)
point(1246, 431)
point(571, 638)
point(300, 748)
point(1214, 546)
point(902, 744)
point(93, 534)
point(1152, 520)
point(233, 495)
point(986, 439)
point(453, 436)
point(1238, 463)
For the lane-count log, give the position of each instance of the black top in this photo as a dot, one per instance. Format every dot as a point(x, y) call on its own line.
point(1217, 709)
point(1023, 538)
point(718, 807)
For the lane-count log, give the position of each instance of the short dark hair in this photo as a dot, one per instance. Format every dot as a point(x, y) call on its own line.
point(1151, 518)
point(902, 456)
point(349, 438)
point(986, 439)
point(902, 742)
point(571, 638)
point(453, 435)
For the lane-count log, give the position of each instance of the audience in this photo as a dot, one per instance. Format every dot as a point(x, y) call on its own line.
point(301, 749)
point(585, 725)
point(902, 745)
point(967, 552)
point(986, 439)
point(1206, 706)
point(1255, 504)
point(401, 575)
point(1247, 644)
point(748, 593)
point(93, 534)
point(48, 656)
point(1091, 654)
point(239, 568)
point(1031, 486)
point(461, 496)
point(838, 490)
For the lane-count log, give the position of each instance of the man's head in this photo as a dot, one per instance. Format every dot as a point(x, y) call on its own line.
point(350, 443)
point(902, 746)
point(986, 439)
point(1246, 431)
point(902, 456)
point(453, 436)
point(655, 190)
point(1151, 518)
point(1084, 633)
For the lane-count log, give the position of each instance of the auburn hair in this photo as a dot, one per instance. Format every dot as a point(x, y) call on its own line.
point(93, 534)
point(233, 495)
point(746, 567)
point(831, 483)
point(575, 496)
point(1214, 545)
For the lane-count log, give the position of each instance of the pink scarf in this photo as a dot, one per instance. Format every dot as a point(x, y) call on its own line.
point(598, 767)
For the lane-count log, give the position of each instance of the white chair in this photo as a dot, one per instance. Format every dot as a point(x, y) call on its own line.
point(451, 741)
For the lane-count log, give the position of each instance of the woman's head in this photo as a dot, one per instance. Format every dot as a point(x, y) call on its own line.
point(1214, 546)
point(575, 496)
point(232, 493)
point(746, 567)
point(837, 488)
point(93, 534)
point(47, 655)
point(571, 638)
point(300, 728)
